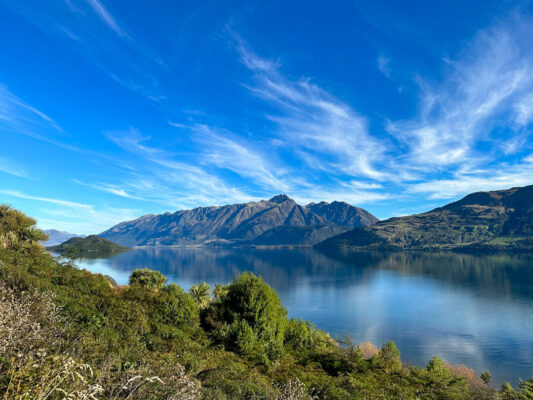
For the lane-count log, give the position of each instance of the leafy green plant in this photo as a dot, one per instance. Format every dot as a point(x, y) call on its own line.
point(201, 294)
point(148, 279)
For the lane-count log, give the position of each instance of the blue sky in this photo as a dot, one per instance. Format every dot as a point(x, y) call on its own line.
point(114, 109)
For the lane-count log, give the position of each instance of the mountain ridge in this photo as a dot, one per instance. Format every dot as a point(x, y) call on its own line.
point(496, 220)
point(57, 237)
point(244, 223)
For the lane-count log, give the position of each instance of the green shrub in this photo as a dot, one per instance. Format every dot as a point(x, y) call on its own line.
point(147, 279)
point(249, 299)
point(176, 307)
point(388, 357)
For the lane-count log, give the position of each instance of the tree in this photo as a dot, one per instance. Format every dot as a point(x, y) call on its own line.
point(177, 307)
point(389, 357)
point(507, 392)
point(526, 389)
point(147, 279)
point(486, 377)
point(220, 291)
point(17, 231)
point(201, 294)
point(249, 299)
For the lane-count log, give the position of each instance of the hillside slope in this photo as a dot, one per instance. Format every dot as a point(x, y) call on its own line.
point(485, 220)
point(271, 221)
point(90, 246)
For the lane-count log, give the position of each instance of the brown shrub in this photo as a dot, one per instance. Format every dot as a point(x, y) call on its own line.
point(368, 349)
point(475, 383)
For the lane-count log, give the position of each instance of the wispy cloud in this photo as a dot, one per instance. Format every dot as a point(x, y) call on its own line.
point(502, 177)
point(73, 216)
point(313, 121)
point(171, 181)
point(108, 188)
point(491, 77)
point(12, 168)
point(524, 110)
point(383, 65)
point(20, 195)
point(226, 150)
point(99, 36)
point(17, 116)
point(106, 17)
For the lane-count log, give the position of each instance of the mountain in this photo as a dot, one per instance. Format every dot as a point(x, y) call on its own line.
point(57, 237)
point(342, 214)
point(278, 221)
point(90, 246)
point(496, 220)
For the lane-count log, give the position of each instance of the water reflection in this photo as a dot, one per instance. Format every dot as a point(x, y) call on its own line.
point(466, 308)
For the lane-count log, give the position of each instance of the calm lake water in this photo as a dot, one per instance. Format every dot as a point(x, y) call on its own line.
point(467, 309)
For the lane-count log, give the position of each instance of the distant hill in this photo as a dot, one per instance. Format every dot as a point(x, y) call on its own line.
point(57, 237)
point(278, 221)
point(89, 247)
point(496, 220)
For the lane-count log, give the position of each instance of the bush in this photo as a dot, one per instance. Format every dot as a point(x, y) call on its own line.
point(176, 307)
point(249, 299)
point(147, 279)
point(388, 357)
point(17, 231)
point(368, 349)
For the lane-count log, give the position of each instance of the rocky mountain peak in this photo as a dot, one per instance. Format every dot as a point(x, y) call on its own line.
point(280, 198)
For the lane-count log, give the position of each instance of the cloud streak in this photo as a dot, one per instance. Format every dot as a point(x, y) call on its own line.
point(314, 122)
point(96, 33)
point(11, 168)
point(74, 217)
point(492, 77)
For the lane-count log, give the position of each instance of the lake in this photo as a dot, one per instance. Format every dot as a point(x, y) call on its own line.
point(468, 309)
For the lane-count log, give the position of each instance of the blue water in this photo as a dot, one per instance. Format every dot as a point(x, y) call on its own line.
point(475, 310)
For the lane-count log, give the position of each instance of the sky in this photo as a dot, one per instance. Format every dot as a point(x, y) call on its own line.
point(113, 109)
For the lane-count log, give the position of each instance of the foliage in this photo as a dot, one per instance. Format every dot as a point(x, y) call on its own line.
point(148, 279)
point(17, 231)
point(486, 377)
point(368, 350)
point(250, 311)
point(201, 294)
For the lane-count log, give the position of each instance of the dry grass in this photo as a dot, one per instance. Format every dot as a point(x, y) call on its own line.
point(28, 321)
point(293, 390)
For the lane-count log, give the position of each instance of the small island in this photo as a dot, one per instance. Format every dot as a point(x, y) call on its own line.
point(88, 247)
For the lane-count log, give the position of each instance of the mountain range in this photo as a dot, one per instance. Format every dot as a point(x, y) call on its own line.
point(274, 222)
point(57, 237)
point(496, 220)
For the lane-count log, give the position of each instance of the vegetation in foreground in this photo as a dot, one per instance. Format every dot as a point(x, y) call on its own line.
point(68, 334)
